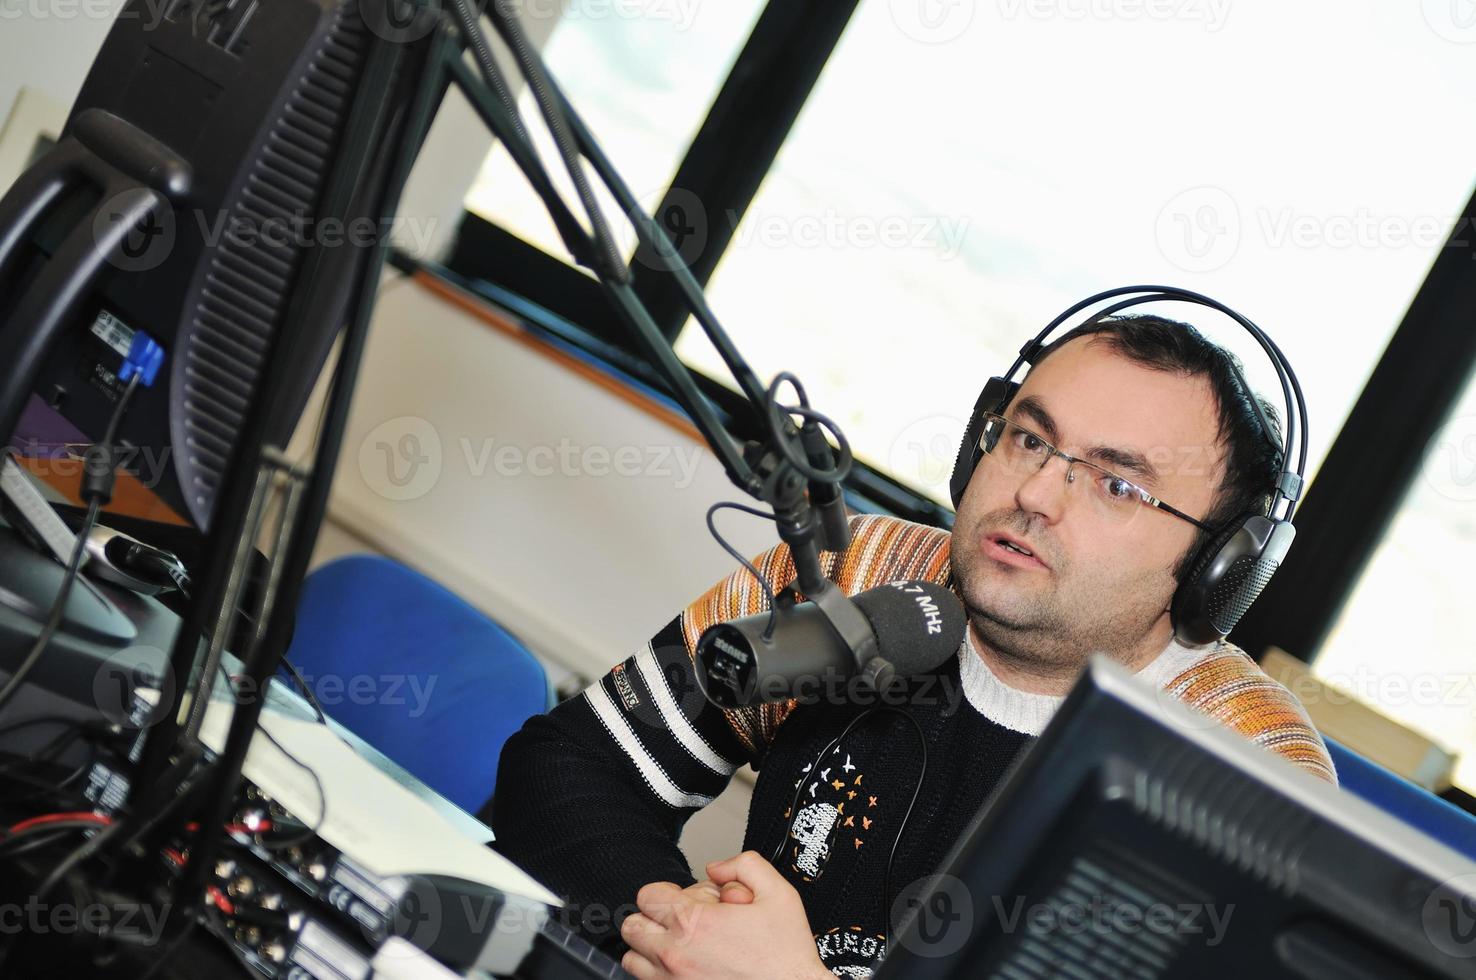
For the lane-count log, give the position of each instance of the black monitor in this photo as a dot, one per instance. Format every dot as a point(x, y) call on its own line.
point(208, 204)
point(233, 113)
point(1138, 838)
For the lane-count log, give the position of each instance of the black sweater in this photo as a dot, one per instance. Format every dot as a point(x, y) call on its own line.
point(591, 798)
point(579, 812)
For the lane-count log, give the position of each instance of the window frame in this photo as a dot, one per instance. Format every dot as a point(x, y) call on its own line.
point(1379, 450)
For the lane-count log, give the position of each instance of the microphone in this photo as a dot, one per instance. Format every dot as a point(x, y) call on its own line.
point(907, 628)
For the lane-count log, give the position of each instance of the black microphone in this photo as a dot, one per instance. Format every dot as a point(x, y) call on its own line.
point(913, 627)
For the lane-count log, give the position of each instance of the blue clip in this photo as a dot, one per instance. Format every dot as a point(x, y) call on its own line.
point(144, 359)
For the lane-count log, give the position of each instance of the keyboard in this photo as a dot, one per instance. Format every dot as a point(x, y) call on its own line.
point(561, 954)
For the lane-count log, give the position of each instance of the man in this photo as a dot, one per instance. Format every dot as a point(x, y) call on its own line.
point(1051, 568)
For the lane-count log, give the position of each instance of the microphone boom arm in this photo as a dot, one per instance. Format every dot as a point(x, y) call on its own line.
point(767, 476)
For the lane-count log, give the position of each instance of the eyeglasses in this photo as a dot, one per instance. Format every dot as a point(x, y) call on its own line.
point(1021, 451)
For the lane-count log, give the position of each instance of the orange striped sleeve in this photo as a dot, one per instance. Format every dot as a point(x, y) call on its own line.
point(1232, 688)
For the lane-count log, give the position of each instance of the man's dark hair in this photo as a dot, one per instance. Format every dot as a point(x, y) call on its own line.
point(1252, 465)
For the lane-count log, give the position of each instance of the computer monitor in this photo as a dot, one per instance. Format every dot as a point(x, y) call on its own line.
point(234, 112)
point(1138, 838)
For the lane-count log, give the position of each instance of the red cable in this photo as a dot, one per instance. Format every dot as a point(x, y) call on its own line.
point(87, 817)
point(235, 828)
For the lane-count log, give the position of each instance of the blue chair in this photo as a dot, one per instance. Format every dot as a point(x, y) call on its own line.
point(1401, 798)
point(416, 671)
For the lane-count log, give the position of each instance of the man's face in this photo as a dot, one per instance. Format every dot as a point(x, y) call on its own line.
point(1098, 582)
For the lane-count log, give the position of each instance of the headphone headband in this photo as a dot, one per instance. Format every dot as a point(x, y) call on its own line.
point(1288, 486)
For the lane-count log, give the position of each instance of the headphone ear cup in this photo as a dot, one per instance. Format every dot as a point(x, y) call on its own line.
point(968, 458)
point(994, 398)
point(1227, 575)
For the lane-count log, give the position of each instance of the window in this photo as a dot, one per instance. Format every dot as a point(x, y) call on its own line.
point(964, 172)
point(1405, 639)
point(642, 74)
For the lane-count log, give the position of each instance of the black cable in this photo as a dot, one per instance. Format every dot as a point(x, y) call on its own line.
point(35, 843)
point(799, 790)
point(777, 415)
point(922, 743)
point(309, 832)
point(30, 832)
point(38, 784)
point(60, 743)
point(60, 870)
point(99, 840)
point(307, 691)
point(97, 486)
point(737, 555)
point(105, 834)
point(44, 785)
point(790, 378)
point(116, 419)
point(58, 607)
point(901, 827)
point(477, 41)
point(71, 777)
point(87, 849)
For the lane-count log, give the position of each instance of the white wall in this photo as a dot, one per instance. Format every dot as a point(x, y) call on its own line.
point(48, 45)
point(567, 512)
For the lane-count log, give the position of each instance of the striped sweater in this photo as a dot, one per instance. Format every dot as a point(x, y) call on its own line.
point(592, 797)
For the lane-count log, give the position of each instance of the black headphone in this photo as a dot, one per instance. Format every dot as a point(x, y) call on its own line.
point(1235, 562)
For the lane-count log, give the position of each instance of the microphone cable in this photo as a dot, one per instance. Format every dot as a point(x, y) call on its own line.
point(778, 417)
point(834, 744)
point(782, 431)
point(738, 556)
point(98, 473)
